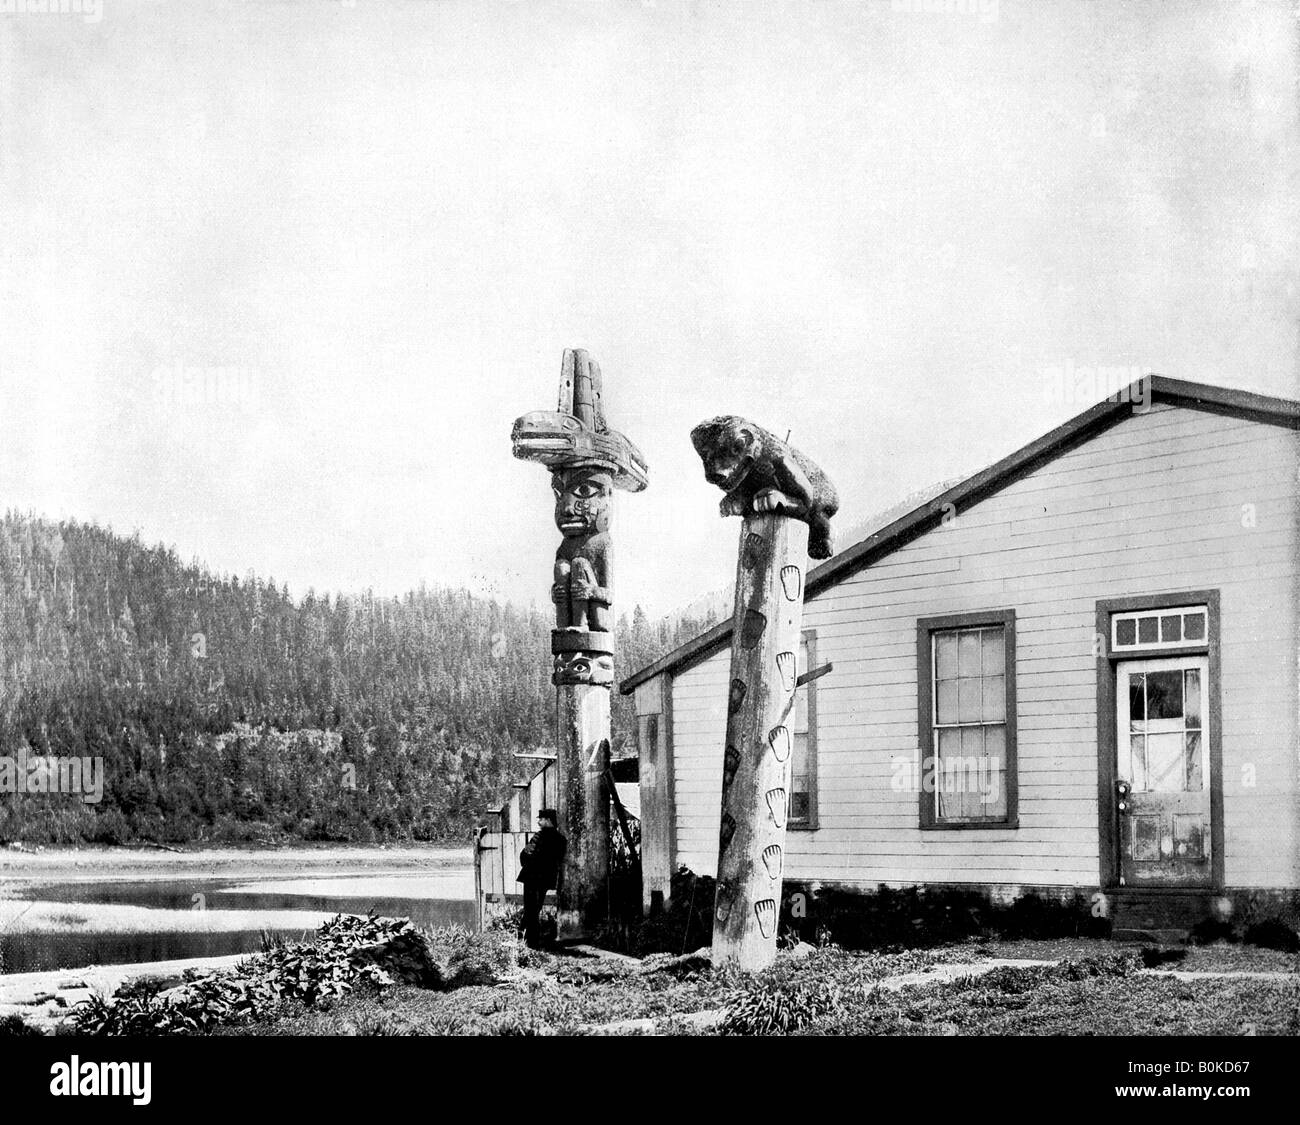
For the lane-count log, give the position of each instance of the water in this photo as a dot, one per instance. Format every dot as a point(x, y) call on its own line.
point(71, 925)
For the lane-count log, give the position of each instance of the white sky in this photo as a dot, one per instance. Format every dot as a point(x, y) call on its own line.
point(875, 228)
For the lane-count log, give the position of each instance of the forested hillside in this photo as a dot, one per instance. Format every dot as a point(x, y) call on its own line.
point(225, 709)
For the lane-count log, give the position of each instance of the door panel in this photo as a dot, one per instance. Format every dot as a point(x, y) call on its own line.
point(1163, 772)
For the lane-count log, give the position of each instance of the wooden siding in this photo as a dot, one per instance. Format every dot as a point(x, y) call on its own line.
point(1153, 504)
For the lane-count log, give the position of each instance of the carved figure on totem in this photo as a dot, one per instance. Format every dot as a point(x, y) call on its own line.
point(587, 462)
point(583, 588)
point(761, 473)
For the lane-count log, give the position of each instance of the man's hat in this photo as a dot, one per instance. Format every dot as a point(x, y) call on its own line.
point(549, 814)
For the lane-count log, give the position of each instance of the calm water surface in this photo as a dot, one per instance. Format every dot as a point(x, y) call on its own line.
point(427, 902)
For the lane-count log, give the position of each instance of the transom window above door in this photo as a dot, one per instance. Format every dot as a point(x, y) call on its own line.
point(1177, 627)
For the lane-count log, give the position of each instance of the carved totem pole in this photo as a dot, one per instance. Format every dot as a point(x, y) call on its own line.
point(786, 503)
point(587, 462)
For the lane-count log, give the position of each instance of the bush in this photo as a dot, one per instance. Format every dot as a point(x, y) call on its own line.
point(350, 952)
point(1153, 956)
point(1273, 933)
point(1209, 930)
point(465, 958)
point(14, 1026)
point(915, 917)
point(686, 925)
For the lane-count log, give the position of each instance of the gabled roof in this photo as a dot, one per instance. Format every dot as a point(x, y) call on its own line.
point(920, 519)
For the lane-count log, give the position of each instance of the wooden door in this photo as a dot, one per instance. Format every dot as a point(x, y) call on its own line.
point(1163, 772)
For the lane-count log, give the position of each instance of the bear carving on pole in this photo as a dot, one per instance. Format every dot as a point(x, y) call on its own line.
point(786, 503)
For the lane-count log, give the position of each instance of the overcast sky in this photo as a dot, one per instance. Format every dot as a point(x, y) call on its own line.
point(373, 229)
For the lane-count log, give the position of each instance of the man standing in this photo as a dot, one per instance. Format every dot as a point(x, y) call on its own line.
point(541, 868)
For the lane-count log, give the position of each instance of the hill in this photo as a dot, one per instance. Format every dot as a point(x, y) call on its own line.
point(224, 709)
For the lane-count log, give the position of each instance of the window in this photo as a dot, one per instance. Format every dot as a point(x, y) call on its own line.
point(802, 811)
point(967, 705)
point(1176, 627)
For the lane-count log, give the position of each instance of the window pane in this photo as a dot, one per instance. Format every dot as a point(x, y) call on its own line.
point(949, 744)
point(1166, 768)
point(969, 701)
point(1171, 628)
point(993, 773)
point(948, 749)
point(1165, 695)
point(1147, 631)
point(801, 709)
point(972, 749)
point(995, 699)
point(947, 701)
point(1192, 697)
point(1194, 626)
point(1193, 770)
point(1137, 772)
point(799, 757)
point(800, 804)
point(1137, 700)
point(945, 655)
point(1126, 632)
point(991, 641)
point(993, 795)
point(968, 661)
point(995, 746)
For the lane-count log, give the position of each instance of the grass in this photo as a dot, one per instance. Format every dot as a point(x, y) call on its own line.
point(1045, 1002)
point(1097, 990)
point(374, 976)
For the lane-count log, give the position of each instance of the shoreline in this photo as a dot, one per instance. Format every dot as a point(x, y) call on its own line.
point(108, 863)
point(23, 872)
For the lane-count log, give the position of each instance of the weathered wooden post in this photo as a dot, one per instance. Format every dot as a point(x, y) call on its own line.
point(786, 502)
point(587, 462)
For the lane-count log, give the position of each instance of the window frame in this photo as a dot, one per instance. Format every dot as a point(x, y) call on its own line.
point(809, 637)
point(926, 628)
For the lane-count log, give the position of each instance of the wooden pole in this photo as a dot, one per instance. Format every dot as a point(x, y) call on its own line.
point(583, 718)
point(588, 461)
point(760, 740)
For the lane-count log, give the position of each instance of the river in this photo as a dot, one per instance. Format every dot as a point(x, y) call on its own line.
point(66, 910)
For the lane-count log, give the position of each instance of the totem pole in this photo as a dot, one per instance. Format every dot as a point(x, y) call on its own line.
point(786, 503)
point(587, 462)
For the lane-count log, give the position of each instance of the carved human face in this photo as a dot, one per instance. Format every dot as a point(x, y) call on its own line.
point(582, 500)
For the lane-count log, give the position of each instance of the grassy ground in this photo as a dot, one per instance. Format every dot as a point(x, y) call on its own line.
point(1097, 990)
point(1219, 957)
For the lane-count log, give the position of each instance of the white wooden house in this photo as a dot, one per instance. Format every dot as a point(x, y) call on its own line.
point(1075, 671)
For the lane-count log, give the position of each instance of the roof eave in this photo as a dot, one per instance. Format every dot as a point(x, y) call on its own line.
point(1175, 392)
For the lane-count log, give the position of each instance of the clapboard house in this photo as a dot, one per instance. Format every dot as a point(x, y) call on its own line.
point(1072, 674)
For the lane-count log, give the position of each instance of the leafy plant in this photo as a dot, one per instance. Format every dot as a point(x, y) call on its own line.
point(14, 1026)
point(778, 1007)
